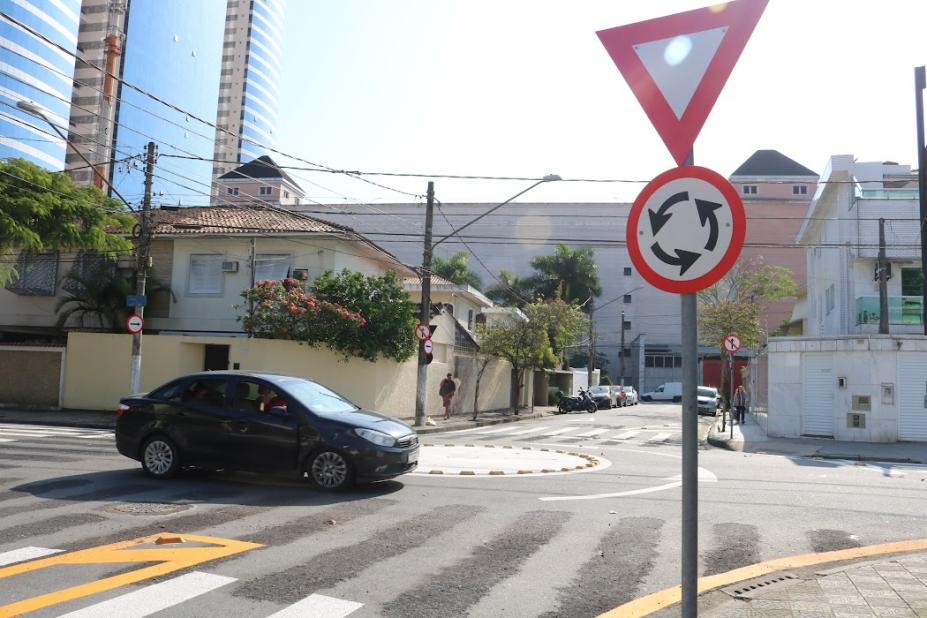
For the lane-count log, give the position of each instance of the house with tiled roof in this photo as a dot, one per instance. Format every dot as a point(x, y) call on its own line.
point(260, 181)
point(202, 259)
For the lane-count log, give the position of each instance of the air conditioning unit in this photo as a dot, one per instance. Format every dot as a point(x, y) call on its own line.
point(230, 267)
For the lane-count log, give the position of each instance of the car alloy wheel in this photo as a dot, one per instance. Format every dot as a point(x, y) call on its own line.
point(329, 470)
point(160, 458)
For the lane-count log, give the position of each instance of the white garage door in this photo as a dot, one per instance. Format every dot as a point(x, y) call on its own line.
point(912, 400)
point(817, 395)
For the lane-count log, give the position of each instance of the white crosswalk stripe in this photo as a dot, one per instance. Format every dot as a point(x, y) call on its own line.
point(498, 430)
point(15, 433)
point(318, 606)
point(154, 598)
point(660, 437)
point(557, 432)
point(627, 435)
point(527, 431)
point(25, 553)
point(593, 433)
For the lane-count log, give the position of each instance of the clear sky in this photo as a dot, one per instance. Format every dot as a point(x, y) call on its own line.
point(525, 88)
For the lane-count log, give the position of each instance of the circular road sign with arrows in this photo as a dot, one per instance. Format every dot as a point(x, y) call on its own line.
point(686, 229)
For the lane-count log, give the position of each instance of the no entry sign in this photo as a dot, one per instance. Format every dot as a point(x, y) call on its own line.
point(686, 229)
point(134, 323)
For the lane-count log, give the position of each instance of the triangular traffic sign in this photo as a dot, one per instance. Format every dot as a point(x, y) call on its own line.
point(677, 65)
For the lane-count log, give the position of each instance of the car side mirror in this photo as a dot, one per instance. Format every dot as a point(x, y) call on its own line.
point(279, 411)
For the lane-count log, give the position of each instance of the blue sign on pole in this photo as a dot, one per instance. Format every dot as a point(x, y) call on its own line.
point(136, 300)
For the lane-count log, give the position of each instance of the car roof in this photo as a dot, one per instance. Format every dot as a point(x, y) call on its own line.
point(261, 375)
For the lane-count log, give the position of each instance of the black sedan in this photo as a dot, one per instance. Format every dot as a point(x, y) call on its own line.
point(265, 422)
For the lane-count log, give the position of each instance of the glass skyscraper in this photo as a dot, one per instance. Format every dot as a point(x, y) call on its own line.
point(249, 82)
point(35, 70)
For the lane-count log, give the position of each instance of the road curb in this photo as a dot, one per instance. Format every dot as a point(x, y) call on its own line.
point(479, 422)
point(76, 424)
point(591, 462)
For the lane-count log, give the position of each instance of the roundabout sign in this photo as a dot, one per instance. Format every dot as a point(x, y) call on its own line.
point(686, 229)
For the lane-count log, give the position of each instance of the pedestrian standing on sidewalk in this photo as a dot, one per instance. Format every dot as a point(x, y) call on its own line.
point(446, 390)
point(740, 404)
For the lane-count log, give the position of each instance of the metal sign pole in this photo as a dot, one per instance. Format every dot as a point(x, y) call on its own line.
point(689, 455)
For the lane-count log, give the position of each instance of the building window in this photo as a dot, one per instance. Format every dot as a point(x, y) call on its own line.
point(829, 301)
point(205, 274)
point(38, 274)
point(661, 361)
point(274, 266)
point(912, 282)
point(469, 319)
point(286, 194)
point(627, 271)
point(231, 190)
point(87, 267)
point(265, 191)
point(799, 189)
point(627, 299)
point(749, 189)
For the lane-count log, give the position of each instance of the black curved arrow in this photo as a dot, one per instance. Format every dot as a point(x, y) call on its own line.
point(658, 219)
point(684, 259)
point(706, 212)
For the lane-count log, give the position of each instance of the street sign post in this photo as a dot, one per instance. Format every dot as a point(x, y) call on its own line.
point(422, 332)
point(134, 323)
point(676, 66)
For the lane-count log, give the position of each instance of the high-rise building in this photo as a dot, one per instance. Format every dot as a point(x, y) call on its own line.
point(134, 52)
point(36, 70)
point(249, 82)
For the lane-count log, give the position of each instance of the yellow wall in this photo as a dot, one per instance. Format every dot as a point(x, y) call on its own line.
point(97, 370)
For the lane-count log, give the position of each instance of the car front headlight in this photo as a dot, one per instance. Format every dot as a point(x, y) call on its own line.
point(377, 437)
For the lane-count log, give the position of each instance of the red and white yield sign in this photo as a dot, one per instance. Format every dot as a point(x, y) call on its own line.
point(678, 64)
point(422, 332)
point(686, 229)
point(134, 323)
point(732, 342)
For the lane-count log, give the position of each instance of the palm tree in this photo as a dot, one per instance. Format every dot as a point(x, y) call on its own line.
point(457, 269)
point(102, 294)
point(570, 274)
point(512, 290)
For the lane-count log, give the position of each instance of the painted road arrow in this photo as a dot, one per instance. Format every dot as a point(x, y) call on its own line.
point(683, 259)
point(659, 219)
point(706, 212)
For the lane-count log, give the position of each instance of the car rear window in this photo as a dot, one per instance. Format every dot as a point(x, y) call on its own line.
point(706, 392)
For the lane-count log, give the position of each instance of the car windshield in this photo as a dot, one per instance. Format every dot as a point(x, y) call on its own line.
point(318, 398)
point(598, 390)
point(706, 392)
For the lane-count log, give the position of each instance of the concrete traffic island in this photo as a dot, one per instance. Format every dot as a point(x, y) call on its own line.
point(490, 460)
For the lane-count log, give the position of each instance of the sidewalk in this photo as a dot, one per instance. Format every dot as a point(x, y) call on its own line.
point(750, 438)
point(102, 419)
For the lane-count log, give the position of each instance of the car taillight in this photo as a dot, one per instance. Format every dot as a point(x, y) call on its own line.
point(122, 409)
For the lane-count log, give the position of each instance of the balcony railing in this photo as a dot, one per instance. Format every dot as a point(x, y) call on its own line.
point(901, 310)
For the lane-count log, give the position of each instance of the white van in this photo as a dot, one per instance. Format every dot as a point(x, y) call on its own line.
point(671, 391)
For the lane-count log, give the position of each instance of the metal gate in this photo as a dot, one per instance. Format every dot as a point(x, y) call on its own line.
point(912, 396)
point(817, 395)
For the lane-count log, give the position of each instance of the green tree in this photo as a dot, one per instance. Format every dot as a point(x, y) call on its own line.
point(101, 295)
point(512, 290)
point(570, 274)
point(457, 269)
point(530, 343)
point(42, 211)
point(390, 315)
point(738, 302)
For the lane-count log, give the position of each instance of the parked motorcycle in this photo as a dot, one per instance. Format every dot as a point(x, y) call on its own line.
point(583, 401)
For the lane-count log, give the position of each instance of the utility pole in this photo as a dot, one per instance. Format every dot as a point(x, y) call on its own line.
point(621, 351)
point(142, 264)
point(920, 82)
point(882, 270)
point(421, 388)
point(590, 366)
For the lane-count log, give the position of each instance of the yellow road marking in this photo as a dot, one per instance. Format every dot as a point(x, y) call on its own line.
point(168, 558)
point(645, 606)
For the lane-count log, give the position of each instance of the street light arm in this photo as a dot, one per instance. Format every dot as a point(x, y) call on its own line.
point(549, 178)
point(34, 110)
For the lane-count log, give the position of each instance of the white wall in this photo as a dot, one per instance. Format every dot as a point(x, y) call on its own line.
point(865, 362)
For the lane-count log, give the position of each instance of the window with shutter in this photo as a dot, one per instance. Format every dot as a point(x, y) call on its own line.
point(273, 266)
point(38, 274)
point(205, 274)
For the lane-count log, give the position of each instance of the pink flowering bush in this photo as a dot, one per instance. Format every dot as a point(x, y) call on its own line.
point(283, 310)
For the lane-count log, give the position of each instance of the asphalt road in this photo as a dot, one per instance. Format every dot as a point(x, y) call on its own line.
point(543, 544)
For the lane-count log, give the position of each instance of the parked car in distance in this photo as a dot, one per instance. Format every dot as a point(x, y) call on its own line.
point(717, 393)
point(707, 400)
point(671, 391)
point(262, 422)
point(603, 396)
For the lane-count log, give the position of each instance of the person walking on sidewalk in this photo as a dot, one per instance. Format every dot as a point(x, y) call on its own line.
point(740, 404)
point(446, 390)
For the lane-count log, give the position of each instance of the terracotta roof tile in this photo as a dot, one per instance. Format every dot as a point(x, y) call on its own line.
point(206, 220)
